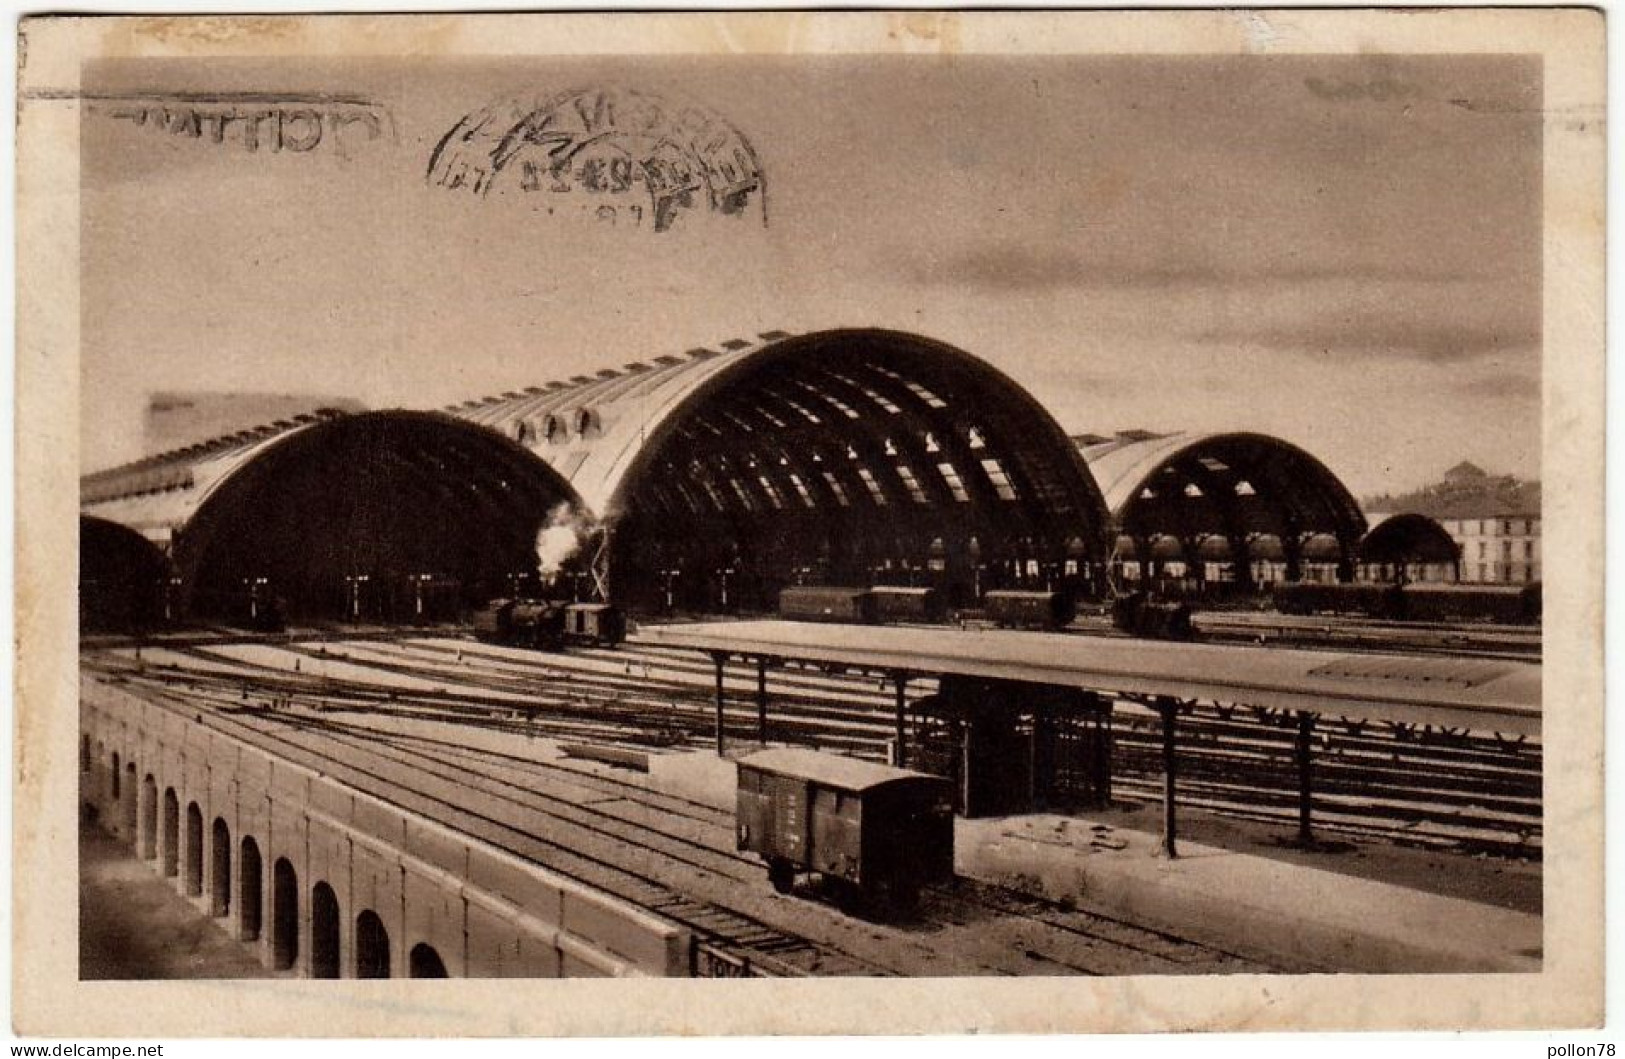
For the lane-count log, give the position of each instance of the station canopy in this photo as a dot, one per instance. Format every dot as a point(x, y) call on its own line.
point(1237, 497)
point(844, 456)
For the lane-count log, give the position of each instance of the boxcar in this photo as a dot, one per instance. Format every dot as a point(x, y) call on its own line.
point(1029, 610)
point(594, 623)
point(882, 832)
point(827, 603)
point(892, 603)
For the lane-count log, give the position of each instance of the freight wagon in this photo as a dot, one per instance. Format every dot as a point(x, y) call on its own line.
point(879, 832)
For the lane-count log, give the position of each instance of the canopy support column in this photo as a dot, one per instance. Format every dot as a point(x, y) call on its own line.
point(761, 700)
point(1168, 707)
point(1306, 792)
point(719, 659)
point(900, 680)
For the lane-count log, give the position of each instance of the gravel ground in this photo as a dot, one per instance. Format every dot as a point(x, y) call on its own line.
point(133, 925)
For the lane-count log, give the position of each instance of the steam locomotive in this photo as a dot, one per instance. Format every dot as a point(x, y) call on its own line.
point(549, 625)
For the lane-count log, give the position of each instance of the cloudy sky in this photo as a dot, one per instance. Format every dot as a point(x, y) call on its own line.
point(1341, 251)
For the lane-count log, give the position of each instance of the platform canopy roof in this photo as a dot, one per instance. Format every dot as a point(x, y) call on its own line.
point(1200, 485)
point(1482, 694)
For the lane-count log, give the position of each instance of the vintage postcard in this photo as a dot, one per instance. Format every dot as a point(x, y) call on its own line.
point(974, 522)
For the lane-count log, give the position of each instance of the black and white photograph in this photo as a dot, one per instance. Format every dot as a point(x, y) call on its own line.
point(1031, 513)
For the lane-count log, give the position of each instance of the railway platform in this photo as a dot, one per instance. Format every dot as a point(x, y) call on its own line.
point(1267, 907)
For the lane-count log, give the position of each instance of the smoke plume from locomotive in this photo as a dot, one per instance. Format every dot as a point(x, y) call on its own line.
point(559, 539)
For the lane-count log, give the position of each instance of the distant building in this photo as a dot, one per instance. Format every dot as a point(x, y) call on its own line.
point(1494, 518)
point(176, 420)
point(1498, 550)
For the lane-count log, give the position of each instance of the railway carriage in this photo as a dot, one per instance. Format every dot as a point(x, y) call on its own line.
point(1502, 604)
point(1308, 597)
point(827, 603)
point(894, 603)
point(1008, 608)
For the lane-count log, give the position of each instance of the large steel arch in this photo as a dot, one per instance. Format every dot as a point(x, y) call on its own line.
point(849, 456)
point(1233, 498)
point(380, 516)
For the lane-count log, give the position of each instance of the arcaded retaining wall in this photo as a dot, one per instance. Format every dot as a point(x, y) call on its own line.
point(327, 881)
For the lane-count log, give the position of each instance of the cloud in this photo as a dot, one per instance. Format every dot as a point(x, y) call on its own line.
point(1395, 337)
point(1011, 267)
point(1501, 385)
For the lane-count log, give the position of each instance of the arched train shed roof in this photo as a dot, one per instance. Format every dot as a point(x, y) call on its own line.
point(604, 433)
point(859, 418)
point(163, 496)
point(1214, 483)
point(1409, 538)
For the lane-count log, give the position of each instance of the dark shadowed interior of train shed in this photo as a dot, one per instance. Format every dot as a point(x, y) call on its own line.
point(854, 458)
point(1410, 547)
point(386, 516)
point(121, 576)
point(1205, 513)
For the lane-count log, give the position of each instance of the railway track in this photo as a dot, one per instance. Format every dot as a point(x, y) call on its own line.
point(723, 896)
point(1442, 790)
point(726, 939)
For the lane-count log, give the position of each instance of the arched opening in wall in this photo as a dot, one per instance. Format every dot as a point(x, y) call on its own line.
point(128, 799)
point(121, 578)
point(220, 869)
point(117, 779)
point(172, 833)
point(853, 458)
point(251, 898)
point(194, 850)
point(85, 760)
point(149, 818)
point(424, 962)
point(284, 915)
point(324, 932)
point(405, 517)
point(371, 946)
